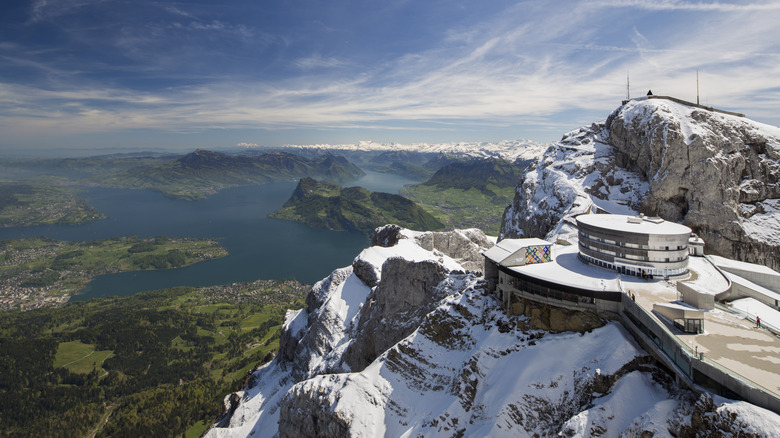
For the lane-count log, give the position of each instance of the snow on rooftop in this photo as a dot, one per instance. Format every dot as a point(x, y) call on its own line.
point(736, 279)
point(613, 205)
point(705, 277)
point(497, 254)
point(753, 307)
point(730, 264)
point(633, 224)
point(507, 247)
point(567, 269)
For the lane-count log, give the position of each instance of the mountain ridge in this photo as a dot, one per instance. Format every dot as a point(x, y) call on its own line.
point(408, 342)
point(446, 360)
point(469, 193)
point(715, 173)
point(203, 172)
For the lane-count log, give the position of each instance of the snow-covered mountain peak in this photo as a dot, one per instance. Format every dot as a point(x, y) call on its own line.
point(507, 149)
point(427, 352)
point(717, 173)
point(407, 342)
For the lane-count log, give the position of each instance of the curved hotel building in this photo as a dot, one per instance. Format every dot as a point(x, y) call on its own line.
point(634, 245)
point(646, 247)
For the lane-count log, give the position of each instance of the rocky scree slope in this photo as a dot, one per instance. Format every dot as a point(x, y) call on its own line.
point(406, 342)
point(716, 173)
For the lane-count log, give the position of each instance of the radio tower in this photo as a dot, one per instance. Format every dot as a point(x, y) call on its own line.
point(628, 93)
point(697, 86)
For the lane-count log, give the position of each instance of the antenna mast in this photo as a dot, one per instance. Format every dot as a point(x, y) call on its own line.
point(628, 93)
point(697, 86)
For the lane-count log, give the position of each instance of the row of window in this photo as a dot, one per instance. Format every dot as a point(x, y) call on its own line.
point(633, 270)
point(641, 258)
point(535, 289)
point(596, 238)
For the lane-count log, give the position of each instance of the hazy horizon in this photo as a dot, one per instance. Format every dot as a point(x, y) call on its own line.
point(118, 76)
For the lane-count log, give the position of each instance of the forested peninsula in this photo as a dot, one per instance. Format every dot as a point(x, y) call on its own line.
point(325, 205)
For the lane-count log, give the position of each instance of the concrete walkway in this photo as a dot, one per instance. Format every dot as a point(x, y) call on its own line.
point(730, 341)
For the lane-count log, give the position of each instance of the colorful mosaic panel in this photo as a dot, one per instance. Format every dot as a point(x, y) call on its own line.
point(537, 254)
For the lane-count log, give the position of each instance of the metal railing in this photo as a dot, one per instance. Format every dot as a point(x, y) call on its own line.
point(671, 338)
point(750, 317)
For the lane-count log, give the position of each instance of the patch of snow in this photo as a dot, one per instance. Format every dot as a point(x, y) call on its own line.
point(754, 308)
point(462, 369)
point(636, 402)
point(765, 227)
point(407, 249)
point(708, 279)
point(756, 421)
point(295, 321)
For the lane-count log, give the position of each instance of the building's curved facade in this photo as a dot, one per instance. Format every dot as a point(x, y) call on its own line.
point(634, 245)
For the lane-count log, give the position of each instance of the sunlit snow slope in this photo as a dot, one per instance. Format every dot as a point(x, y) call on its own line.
point(454, 364)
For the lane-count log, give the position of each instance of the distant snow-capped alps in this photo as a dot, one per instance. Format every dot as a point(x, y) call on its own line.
point(506, 149)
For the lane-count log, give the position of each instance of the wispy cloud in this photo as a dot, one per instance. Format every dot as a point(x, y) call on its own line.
point(176, 11)
point(218, 26)
point(673, 5)
point(48, 9)
point(531, 65)
point(316, 60)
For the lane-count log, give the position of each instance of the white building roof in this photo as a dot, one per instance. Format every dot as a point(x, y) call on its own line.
point(708, 279)
point(633, 224)
point(567, 269)
point(675, 311)
point(757, 288)
point(507, 247)
point(725, 263)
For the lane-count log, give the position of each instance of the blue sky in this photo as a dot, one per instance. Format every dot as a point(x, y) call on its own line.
point(214, 74)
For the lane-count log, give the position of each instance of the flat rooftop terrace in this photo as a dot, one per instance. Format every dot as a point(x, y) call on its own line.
point(633, 224)
point(731, 341)
point(567, 269)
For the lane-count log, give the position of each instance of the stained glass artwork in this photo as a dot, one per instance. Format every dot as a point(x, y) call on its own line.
point(537, 254)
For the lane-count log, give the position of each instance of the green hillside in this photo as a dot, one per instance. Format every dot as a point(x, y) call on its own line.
point(153, 364)
point(201, 173)
point(325, 205)
point(35, 268)
point(470, 193)
point(42, 203)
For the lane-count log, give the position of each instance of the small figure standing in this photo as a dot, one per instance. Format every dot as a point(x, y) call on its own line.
point(758, 321)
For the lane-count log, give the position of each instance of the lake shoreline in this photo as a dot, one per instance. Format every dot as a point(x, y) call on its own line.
point(258, 247)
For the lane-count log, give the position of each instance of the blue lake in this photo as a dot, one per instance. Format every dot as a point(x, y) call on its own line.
point(259, 247)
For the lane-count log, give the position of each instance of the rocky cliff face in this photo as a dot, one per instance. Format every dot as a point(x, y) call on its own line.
point(406, 342)
point(716, 173)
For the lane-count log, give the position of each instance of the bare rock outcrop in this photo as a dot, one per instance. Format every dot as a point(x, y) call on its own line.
point(395, 308)
point(465, 246)
point(710, 171)
point(307, 411)
point(551, 318)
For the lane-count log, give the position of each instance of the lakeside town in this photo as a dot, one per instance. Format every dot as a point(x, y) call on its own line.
point(40, 272)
